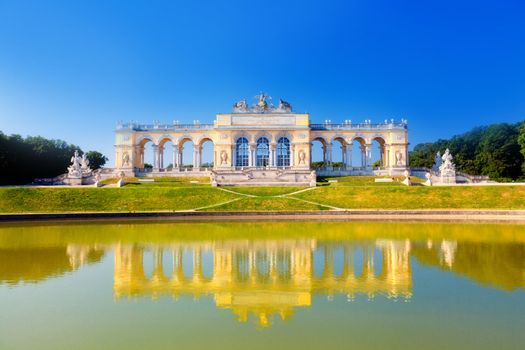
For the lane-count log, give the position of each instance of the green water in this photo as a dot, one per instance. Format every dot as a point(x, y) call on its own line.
point(263, 285)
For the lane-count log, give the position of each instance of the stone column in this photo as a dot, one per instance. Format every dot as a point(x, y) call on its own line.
point(251, 155)
point(200, 156)
point(155, 158)
point(196, 164)
point(161, 157)
point(234, 156)
point(329, 155)
point(292, 155)
point(363, 156)
point(175, 160)
point(271, 159)
point(348, 157)
point(368, 149)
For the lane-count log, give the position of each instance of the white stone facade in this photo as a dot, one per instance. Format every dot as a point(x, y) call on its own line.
point(261, 143)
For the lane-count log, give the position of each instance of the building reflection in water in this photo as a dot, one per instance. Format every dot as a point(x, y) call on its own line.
point(267, 278)
point(264, 278)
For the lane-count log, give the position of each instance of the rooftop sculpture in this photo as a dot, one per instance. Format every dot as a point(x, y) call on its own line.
point(262, 105)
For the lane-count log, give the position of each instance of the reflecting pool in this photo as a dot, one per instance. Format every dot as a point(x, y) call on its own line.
point(297, 285)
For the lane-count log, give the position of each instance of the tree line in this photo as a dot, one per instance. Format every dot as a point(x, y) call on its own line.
point(24, 159)
point(496, 150)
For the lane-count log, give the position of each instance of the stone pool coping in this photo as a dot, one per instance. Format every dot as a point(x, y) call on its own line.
point(474, 215)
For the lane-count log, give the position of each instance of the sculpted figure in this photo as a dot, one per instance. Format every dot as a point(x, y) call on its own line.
point(262, 104)
point(302, 157)
point(240, 106)
point(399, 159)
point(224, 158)
point(284, 106)
point(75, 169)
point(125, 159)
point(85, 163)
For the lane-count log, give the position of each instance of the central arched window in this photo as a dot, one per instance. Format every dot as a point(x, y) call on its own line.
point(242, 152)
point(263, 152)
point(283, 152)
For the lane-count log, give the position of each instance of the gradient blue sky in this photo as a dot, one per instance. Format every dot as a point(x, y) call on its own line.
point(72, 69)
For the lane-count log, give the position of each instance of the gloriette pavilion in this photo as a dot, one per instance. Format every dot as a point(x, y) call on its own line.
point(263, 144)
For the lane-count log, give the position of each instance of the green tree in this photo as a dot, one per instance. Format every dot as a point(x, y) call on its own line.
point(521, 142)
point(24, 159)
point(489, 150)
point(96, 159)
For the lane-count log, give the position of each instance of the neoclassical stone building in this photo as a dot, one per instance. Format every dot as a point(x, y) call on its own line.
point(262, 144)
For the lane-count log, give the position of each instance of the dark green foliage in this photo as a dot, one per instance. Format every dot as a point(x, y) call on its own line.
point(317, 165)
point(490, 150)
point(521, 142)
point(24, 159)
point(96, 159)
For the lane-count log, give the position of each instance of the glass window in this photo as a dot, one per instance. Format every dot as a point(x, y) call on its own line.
point(263, 152)
point(242, 152)
point(283, 152)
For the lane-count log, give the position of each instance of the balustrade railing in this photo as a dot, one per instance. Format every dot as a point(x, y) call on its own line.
point(150, 127)
point(360, 126)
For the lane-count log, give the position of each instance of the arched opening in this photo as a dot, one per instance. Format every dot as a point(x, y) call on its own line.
point(147, 264)
point(358, 262)
point(241, 265)
point(378, 262)
point(319, 262)
point(166, 161)
point(146, 160)
point(207, 263)
point(379, 158)
point(339, 261)
point(187, 263)
point(338, 152)
point(167, 263)
point(206, 153)
point(262, 152)
point(318, 153)
point(262, 264)
point(283, 263)
point(358, 152)
point(242, 152)
point(283, 152)
point(187, 153)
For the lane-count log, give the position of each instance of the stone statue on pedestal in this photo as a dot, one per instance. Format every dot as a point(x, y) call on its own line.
point(447, 169)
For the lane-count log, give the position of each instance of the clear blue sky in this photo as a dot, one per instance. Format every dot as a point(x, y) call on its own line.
point(72, 69)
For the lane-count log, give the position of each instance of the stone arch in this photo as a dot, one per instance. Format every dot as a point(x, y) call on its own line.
point(206, 151)
point(284, 152)
point(242, 151)
point(241, 134)
point(378, 152)
point(186, 151)
point(286, 134)
point(164, 139)
point(143, 139)
point(266, 134)
point(358, 155)
point(338, 156)
point(165, 151)
point(146, 154)
point(318, 151)
point(262, 151)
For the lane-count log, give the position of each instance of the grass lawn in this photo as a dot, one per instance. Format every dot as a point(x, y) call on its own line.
point(132, 198)
point(418, 197)
point(263, 191)
point(266, 204)
point(357, 192)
